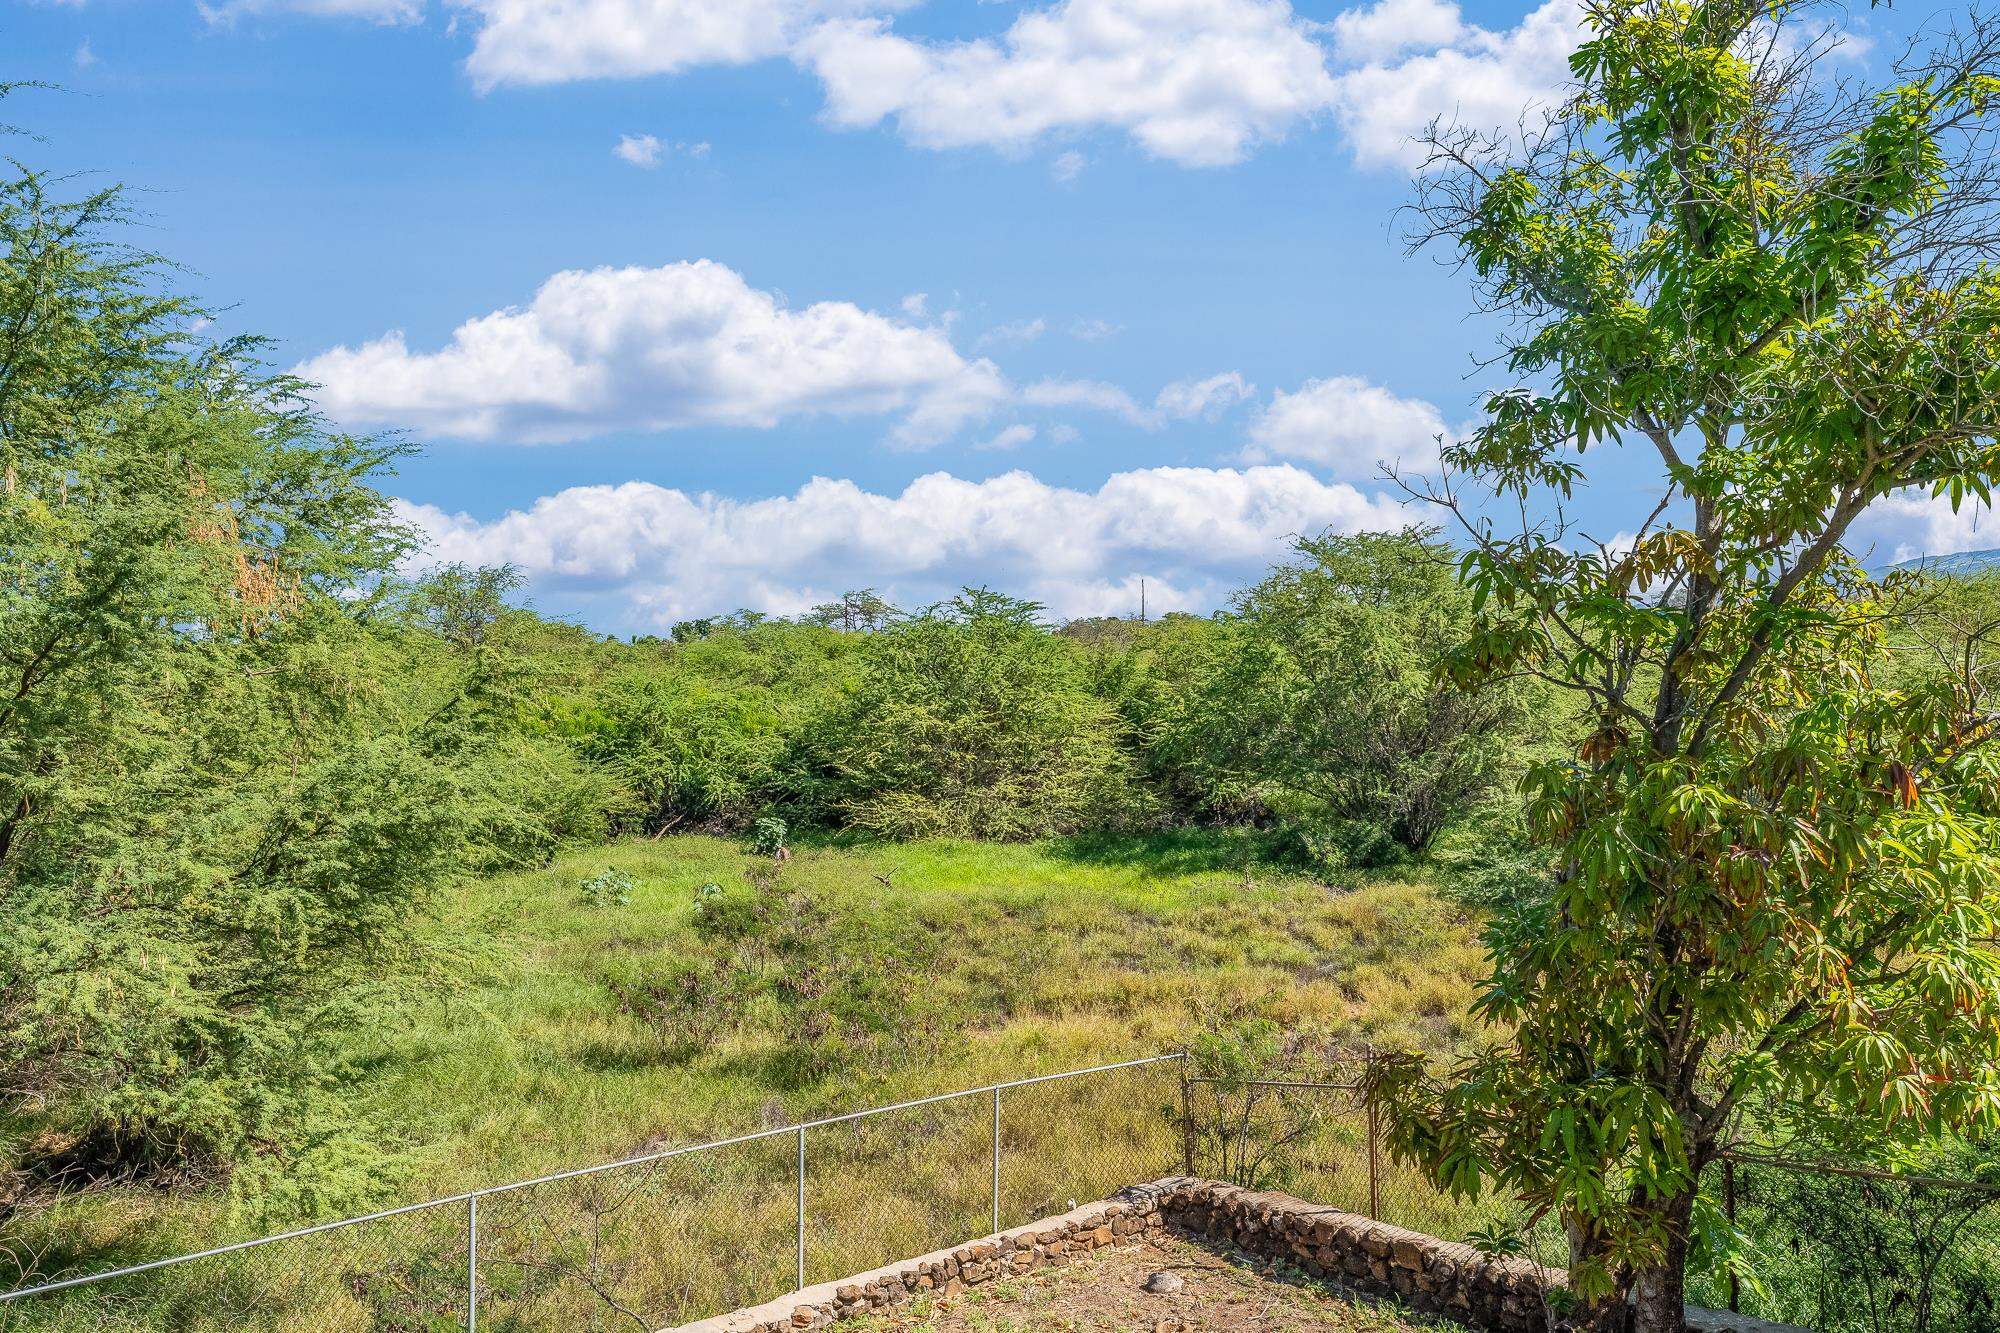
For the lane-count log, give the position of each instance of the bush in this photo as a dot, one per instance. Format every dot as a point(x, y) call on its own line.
point(1321, 845)
point(608, 888)
point(969, 721)
point(767, 836)
point(693, 752)
point(1490, 862)
point(527, 799)
point(1322, 696)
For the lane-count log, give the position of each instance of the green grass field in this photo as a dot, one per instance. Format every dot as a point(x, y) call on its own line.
point(1032, 959)
point(848, 977)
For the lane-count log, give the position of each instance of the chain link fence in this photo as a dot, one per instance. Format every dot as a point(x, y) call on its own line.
point(1834, 1247)
point(1319, 1140)
point(404, 1270)
point(668, 1237)
point(689, 1232)
point(1845, 1249)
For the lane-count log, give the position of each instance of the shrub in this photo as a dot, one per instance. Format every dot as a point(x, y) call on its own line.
point(608, 888)
point(1323, 695)
point(767, 836)
point(972, 721)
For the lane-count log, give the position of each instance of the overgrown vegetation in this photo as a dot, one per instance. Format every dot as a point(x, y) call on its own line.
point(1777, 878)
point(242, 757)
point(322, 883)
point(215, 832)
point(733, 993)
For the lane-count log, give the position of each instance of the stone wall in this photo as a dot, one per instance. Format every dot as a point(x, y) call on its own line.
point(1121, 1220)
point(1426, 1274)
point(1498, 1294)
point(1420, 1271)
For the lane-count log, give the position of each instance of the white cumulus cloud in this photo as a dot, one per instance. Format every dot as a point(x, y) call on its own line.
point(647, 555)
point(1198, 82)
point(685, 344)
point(559, 41)
point(1347, 425)
point(641, 150)
point(1388, 28)
point(1415, 61)
point(1912, 523)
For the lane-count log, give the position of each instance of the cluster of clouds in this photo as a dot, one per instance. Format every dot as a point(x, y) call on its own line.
point(1412, 62)
point(1197, 82)
point(1347, 425)
point(660, 554)
point(1200, 83)
point(647, 151)
point(1913, 523)
point(693, 344)
point(646, 349)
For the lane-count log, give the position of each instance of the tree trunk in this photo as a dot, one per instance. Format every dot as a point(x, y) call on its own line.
point(1659, 1292)
point(1612, 1314)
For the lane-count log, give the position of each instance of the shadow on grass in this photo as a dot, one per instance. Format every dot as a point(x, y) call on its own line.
point(1184, 851)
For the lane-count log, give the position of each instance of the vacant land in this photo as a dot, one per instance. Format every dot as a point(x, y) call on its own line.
point(873, 974)
point(1218, 1293)
point(722, 993)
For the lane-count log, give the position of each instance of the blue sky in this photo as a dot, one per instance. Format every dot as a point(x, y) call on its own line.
point(704, 303)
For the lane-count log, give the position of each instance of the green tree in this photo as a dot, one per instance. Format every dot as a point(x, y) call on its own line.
point(459, 603)
point(1777, 871)
point(209, 856)
point(969, 720)
point(1325, 694)
point(860, 610)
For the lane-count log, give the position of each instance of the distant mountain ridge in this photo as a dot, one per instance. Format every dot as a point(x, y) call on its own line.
point(1963, 562)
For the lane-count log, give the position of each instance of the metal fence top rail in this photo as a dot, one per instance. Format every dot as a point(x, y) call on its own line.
point(1296, 1083)
point(1803, 1166)
point(643, 1159)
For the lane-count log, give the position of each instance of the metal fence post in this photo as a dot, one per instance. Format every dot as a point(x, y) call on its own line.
point(1729, 1210)
point(1374, 1164)
point(802, 1206)
point(472, 1264)
point(996, 1161)
point(1187, 1122)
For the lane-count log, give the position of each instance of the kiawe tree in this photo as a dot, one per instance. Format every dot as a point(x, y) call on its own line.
point(211, 853)
point(1320, 694)
point(1777, 872)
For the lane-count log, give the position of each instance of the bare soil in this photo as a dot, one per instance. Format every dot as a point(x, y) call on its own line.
point(1220, 1292)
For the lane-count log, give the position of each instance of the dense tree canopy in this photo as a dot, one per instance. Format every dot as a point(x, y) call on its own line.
point(1324, 691)
point(201, 852)
point(238, 755)
point(970, 720)
point(1778, 872)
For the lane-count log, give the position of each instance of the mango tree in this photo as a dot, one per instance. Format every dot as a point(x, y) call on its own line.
point(1775, 873)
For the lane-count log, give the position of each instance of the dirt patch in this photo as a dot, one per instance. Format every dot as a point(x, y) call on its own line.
point(1218, 1293)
